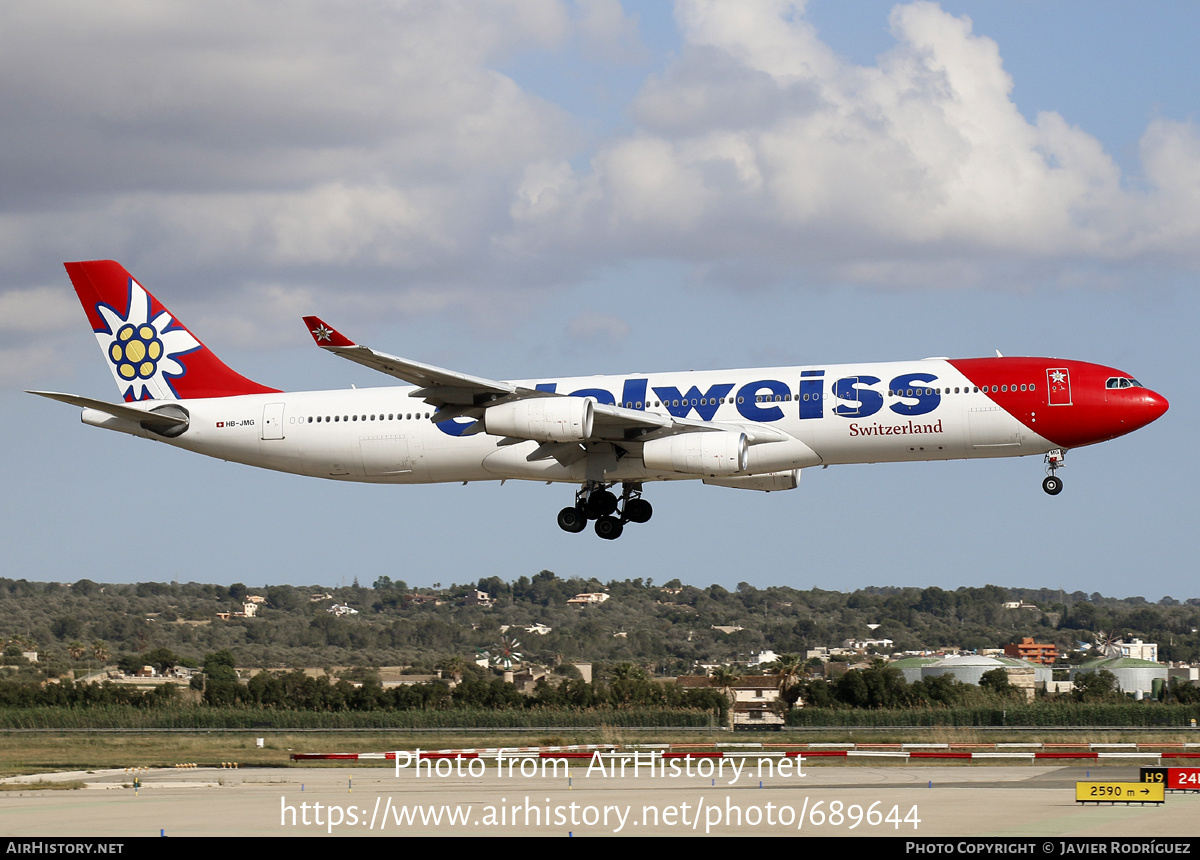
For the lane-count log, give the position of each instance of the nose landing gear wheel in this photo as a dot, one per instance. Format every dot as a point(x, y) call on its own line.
point(572, 520)
point(1052, 485)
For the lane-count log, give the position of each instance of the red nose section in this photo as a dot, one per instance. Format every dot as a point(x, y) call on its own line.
point(1134, 408)
point(1156, 406)
point(1069, 403)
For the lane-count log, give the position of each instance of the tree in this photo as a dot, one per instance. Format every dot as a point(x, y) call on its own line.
point(996, 680)
point(162, 659)
point(67, 627)
point(627, 671)
point(219, 666)
point(1183, 692)
point(941, 690)
point(456, 666)
point(724, 678)
point(851, 689)
point(130, 664)
point(1098, 686)
point(787, 670)
point(886, 687)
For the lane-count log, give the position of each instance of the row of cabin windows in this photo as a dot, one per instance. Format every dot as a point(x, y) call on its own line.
point(783, 398)
point(706, 401)
point(397, 416)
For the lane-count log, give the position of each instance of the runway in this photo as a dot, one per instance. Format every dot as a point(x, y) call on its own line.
point(831, 801)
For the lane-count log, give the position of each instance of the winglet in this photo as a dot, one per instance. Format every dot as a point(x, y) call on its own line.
point(324, 334)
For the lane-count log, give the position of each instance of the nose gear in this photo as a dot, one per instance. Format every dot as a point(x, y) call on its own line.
point(1054, 461)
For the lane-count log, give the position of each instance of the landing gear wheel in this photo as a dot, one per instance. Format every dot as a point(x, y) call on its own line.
point(638, 511)
point(609, 528)
point(572, 520)
point(601, 503)
point(1052, 485)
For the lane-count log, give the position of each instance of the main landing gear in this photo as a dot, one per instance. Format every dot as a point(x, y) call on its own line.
point(1054, 461)
point(595, 501)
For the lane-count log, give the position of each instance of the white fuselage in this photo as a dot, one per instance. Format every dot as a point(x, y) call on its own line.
point(865, 413)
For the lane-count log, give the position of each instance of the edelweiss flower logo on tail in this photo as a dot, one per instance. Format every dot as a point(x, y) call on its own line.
point(143, 353)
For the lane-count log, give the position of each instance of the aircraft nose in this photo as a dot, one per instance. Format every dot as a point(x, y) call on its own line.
point(1156, 405)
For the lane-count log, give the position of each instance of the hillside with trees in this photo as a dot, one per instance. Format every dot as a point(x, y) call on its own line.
point(666, 629)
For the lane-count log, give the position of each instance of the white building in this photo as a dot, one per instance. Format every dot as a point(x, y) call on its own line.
point(479, 598)
point(865, 644)
point(1136, 649)
point(589, 598)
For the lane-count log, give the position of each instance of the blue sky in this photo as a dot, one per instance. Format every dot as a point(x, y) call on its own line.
point(539, 189)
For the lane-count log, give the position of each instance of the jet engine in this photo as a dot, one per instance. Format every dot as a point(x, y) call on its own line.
point(768, 483)
point(543, 419)
point(700, 453)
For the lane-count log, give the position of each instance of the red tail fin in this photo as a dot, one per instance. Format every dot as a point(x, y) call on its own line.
point(152, 354)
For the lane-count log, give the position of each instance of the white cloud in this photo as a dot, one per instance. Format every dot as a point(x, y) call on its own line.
point(758, 146)
point(18, 365)
point(595, 327)
point(243, 136)
point(374, 157)
point(41, 309)
point(1170, 152)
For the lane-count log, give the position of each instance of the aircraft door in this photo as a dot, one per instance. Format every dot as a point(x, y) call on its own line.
point(1058, 386)
point(272, 421)
point(392, 455)
point(849, 400)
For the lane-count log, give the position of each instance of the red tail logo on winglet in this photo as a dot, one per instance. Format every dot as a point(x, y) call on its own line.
point(151, 354)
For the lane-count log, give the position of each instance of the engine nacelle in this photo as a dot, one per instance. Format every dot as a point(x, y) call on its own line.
point(543, 419)
point(769, 483)
point(700, 453)
point(782, 457)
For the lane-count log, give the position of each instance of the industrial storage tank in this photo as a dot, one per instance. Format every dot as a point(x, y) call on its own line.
point(970, 668)
point(910, 667)
point(1133, 675)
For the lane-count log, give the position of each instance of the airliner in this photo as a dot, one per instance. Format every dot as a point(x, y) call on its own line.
point(753, 429)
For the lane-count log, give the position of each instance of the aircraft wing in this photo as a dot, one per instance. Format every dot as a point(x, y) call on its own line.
point(460, 395)
point(446, 383)
point(615, 423)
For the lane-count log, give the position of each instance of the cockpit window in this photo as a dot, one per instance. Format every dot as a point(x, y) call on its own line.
point(1122, 382)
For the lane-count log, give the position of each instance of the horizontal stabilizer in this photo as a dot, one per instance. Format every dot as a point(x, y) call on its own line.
point(143, 417)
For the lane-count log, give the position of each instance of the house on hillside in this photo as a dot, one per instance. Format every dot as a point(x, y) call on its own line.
point(249, 610)
point(592, 598)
